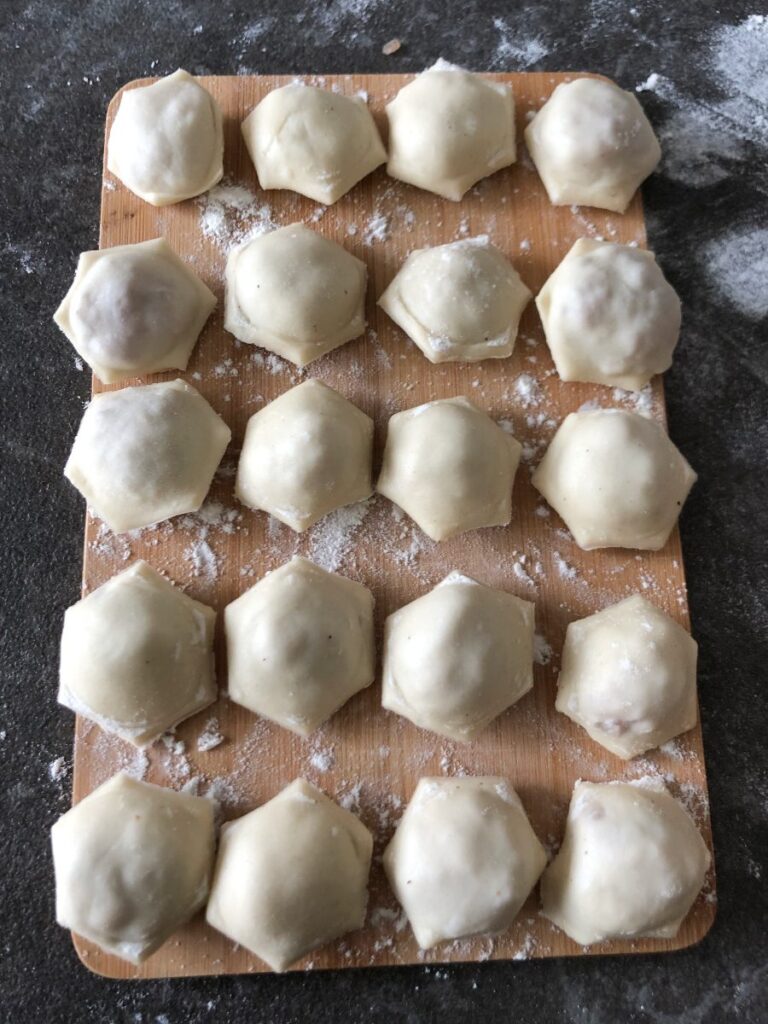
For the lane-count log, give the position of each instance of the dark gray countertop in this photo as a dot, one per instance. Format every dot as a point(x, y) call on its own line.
point(60, 63)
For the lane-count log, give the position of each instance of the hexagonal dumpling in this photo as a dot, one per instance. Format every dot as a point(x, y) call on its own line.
point(460, 302)
point(133, 863)
point(457, 657)
point(137, 655)
point(146, 453)
point(295, 293)
point(291, 876)
point(592, 145)
point(628, 677)
point(631, 864)
point(299, 645)
point(305, 454)
point(609, 315)
point(464, 858)
point(448, 129)
point(450, 467)
point(134, 309)
point(615, 478)
point(316, 142)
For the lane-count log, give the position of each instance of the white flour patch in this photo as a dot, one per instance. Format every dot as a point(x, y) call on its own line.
point(513, 52)
point(230, 214)
point(737, 267)
point(332, 538)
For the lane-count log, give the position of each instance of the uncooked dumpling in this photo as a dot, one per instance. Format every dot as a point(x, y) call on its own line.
point(615, 478)
point(631, 864)
point(609, 315)
point(305, 454)
point(628, 677)
point(137, 655)
point(167, 140)
point(464, 858)
point(134, 309)
point(316, 142)
point(460, 302)
point(299, 645)
point(291, 876)
point(146, 453)
point(450, 467)
point(295, 293)
point(133, 864)
point(457, 657)
point(592, 145)
point(449, 128)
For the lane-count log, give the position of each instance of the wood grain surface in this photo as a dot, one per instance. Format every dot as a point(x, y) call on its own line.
point(369, 759)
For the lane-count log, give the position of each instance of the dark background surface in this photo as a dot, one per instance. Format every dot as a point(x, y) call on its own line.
point(59, 65)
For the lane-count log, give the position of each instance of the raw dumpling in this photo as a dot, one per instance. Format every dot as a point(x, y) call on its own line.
point(299, 645)
point(137, 655)
point(167, 140)
point(295, 293)
point(631, 864)
point(615, 478)
point(592, 145)
point(316, 142)
point(291, 876)
point(450, 467)
point(609, 315)
point(460, 302)
point(457, 657)
point(464, 858)
point(628, 677)
point(133, 863)
point(305, 454)
point(134, 309)
point(146, 453)
point(448, 129)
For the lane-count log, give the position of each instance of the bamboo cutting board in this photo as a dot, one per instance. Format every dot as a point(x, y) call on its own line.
point(368, 759)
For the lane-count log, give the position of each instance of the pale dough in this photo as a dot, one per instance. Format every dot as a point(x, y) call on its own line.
point(459, 302)
point(144, 454)
point(291, 876)
point(305, 454)
point(133, 864)
point(299, 644)
point(457, 657)
point(464, 858)
point(609, 315)
point(615, 478)
point(167, 141)
point(137, 655)
point(631, 864)
point(134, 309)
point(313, 141)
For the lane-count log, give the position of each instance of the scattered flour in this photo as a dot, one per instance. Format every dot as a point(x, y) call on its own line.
point(230, 214)
point(737, 267)
point(513, 53)
point(211, 736)
point(332, 538)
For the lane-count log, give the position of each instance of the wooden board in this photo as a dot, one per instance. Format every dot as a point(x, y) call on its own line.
point(369, 759)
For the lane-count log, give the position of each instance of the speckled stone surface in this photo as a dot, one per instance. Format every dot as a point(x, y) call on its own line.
point(706, 94)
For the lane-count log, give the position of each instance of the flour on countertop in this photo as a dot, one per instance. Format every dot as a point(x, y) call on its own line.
point(514, 53)
point(331, 539)
point(737, 268)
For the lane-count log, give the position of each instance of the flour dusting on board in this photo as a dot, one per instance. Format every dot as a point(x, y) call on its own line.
point(230, 214)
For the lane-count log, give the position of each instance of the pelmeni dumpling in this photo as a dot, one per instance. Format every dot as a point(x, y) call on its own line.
point(146, 453)
point(134, 309)
point(305, 454)
point(615, 478)
point(291, 876)
point(631, 864)
point(137, 655)
point(457, 657)
point(592, 145)
point(133, 864)
point(449, 128)
point(299, 645)
point(295, 293)
point(313, 141)
point(460, 302)
point(167, 142)
point(464, 858)
point(628, 677)
point(609, 315)
point(450, 467)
